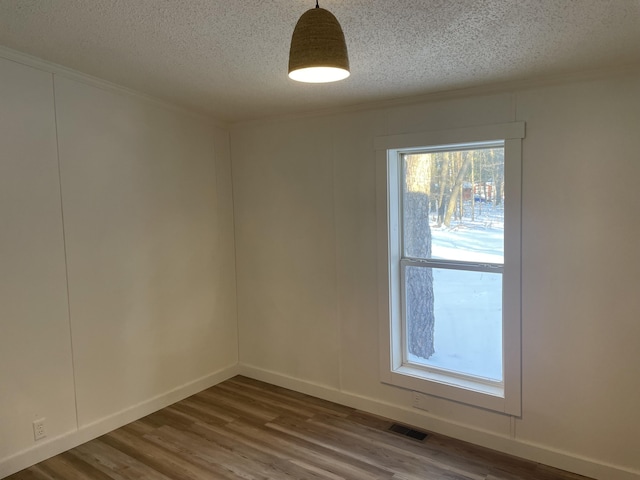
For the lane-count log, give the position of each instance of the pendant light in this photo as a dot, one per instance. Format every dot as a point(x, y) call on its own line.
point(318, 52)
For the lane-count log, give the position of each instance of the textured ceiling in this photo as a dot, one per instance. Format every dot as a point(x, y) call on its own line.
point(228, 58)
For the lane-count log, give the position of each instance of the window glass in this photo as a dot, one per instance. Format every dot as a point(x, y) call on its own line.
point(453, 204)
point(467, 331)
point(453, 210)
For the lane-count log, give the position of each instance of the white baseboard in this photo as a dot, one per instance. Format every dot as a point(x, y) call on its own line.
point(513, 446)
point(530, 451)
point(72, 439)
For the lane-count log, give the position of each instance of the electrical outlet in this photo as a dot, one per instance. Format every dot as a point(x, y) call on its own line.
point(39, 431)
point(419, 400)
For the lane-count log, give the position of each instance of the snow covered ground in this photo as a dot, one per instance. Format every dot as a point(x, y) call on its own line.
point(468, 305)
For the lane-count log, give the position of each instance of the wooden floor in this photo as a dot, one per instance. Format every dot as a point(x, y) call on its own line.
point(245, 429)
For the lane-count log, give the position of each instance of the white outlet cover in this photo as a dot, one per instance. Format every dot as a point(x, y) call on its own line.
point(39, 431)
point(419, 400)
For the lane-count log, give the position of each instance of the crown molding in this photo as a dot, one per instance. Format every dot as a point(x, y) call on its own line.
point(512, 86)
point(69, 73)
point(507, 87)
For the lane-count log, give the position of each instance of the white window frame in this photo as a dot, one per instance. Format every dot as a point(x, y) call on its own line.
point(506, 397)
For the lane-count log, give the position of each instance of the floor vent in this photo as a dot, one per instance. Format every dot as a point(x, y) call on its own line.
point(408, 432)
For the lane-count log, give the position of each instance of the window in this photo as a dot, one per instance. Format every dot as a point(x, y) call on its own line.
point(449, 225)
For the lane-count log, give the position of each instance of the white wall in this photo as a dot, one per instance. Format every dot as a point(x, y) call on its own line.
point(36, 376)
point(304, 196)
point(130, 203)
point(135, 213)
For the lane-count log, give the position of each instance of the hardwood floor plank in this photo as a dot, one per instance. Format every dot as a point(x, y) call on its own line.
point(469, 456)
point(291, 448)
point(160, 459)
point(77, 468)
point(313, 469)
point(399, 445)
point(295, 397)
point(219, 411)
point(239, 408)
point(267, 399)
point(250, 430)
point(240, 456)
point(364, 451)
point(114, 463)
point(200, 413)
point(165, 417)
point(33, 473)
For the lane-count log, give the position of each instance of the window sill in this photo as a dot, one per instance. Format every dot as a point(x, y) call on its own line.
point(494, 389)
point(467, 391)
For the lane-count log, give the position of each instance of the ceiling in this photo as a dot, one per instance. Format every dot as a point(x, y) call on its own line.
point(228, 58)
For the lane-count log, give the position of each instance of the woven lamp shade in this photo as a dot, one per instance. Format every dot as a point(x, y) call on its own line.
point(318, 51)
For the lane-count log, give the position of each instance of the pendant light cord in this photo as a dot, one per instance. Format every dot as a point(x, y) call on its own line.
point(317, 6)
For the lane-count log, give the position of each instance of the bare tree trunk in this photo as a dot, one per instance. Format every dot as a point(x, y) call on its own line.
point(417, 235)
point(461, 205)
point(498, 178)
point(473, 192)
point(433, 179)
point(457, 186)
point(443, 175)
